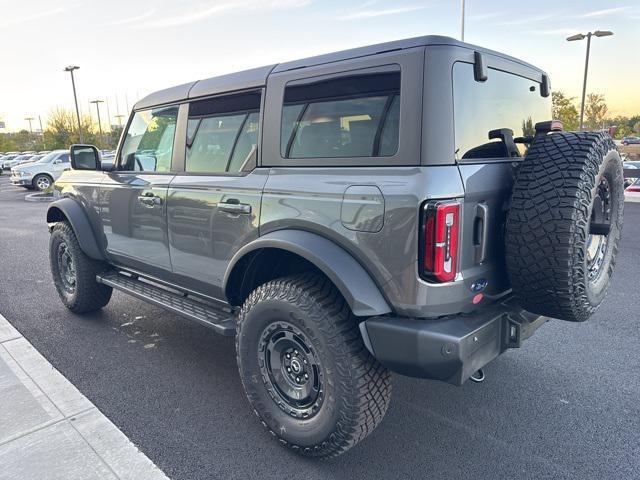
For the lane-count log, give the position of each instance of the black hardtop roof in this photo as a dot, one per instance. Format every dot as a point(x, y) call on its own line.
point(257, 77)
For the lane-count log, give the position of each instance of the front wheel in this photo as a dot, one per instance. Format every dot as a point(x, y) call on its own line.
point(305, 369)
point(74, 273)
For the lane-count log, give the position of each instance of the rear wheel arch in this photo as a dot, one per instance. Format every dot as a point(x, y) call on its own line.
point(287, 252)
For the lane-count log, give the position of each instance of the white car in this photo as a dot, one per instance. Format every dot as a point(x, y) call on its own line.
point(40, 175)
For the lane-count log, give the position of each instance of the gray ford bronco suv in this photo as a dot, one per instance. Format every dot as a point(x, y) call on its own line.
point(404, 207)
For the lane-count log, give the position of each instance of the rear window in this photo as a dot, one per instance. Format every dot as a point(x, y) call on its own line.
point(504, 100)
point(355, 115)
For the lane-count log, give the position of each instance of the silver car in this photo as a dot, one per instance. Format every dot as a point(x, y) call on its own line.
point(41, 174)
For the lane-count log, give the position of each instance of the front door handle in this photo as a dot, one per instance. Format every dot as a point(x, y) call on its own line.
point(150, 200)
point(233, 206)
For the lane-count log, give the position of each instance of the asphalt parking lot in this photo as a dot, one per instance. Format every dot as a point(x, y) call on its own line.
point(566, 405)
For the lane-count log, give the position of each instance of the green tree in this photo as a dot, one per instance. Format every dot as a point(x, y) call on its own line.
point(565, 110)
point(528, 127)
point(595, 110)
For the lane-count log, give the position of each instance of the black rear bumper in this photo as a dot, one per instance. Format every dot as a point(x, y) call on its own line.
point(449, 349)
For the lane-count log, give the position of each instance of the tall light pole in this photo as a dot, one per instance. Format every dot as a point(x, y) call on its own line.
point(97, 103)
point(29, 119)
point(462, 23)
point(119, 117)
point(44, 144)
point(580, 36)
point(70, 69)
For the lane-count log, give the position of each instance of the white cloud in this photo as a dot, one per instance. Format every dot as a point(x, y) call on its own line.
point(222, 8)
point(605, 12)
point(485, 16)
point(135, 18)
point(556, 31)
point(381, 12)
point(34, 16)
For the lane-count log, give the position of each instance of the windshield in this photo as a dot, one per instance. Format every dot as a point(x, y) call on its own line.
point(48, 157)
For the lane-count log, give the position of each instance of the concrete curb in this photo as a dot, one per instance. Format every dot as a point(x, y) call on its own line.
point(49, 429)
point(39, 197)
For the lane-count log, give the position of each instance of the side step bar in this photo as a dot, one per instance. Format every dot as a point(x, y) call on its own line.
point(221, 320)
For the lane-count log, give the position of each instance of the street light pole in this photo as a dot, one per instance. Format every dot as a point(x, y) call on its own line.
point(97, 103)
point(44, 143)
point(70, 69)
point(580, 36)
point(29, 119)
point(462, 23)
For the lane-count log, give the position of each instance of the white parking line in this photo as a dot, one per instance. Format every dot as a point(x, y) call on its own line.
point(49, 429)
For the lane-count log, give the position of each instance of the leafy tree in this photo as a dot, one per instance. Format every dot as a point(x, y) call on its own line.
point(595, 110)
point(565, 110)
point(528, 127)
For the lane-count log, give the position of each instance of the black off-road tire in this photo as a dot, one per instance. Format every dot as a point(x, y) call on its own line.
point(548, 224)
point(86, 295)
point(355, 388)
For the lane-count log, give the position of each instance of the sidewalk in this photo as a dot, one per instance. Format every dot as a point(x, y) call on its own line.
point(49, 430)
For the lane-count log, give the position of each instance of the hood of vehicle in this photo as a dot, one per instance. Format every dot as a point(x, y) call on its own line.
point(25, 167)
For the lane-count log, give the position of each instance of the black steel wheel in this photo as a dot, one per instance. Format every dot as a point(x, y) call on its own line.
point(291, 369)
point(305, 369)
point(74, 273)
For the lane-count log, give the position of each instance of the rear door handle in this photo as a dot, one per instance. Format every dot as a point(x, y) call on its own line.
point(150, 200)
point(233, 206)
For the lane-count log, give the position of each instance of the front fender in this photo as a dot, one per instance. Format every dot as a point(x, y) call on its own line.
point(72, 211)
point(349, 277)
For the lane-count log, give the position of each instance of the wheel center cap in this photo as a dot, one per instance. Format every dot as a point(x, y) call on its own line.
point(295, 365)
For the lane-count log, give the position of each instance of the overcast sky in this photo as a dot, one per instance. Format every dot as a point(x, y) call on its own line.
point(128, 48)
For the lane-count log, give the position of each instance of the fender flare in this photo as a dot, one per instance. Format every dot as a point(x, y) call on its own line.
point(352, 280)
point(79, 221)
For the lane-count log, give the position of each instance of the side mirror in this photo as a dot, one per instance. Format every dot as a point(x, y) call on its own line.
point(84, 157)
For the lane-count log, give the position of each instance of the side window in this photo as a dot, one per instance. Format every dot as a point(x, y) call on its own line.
point(63, 158)
point(504, 100)
point(222, 133)
point(352, 116)
point(148, 144)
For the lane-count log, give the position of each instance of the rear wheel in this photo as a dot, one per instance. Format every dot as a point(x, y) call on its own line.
point(305, 369)
point(564, 224)
point(74, 273)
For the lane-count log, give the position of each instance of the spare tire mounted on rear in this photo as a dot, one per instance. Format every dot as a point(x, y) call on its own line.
point(564, 224)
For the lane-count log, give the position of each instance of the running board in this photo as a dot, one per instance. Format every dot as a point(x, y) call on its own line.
point(220, 319)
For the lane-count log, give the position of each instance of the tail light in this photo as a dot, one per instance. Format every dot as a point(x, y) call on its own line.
point(440, 226)
point(633, 188)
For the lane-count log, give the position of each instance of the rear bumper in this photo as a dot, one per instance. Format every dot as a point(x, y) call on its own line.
point(450, 349)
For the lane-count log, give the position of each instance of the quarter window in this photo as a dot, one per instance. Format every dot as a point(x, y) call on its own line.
point(148, 144)
point(222, 133)
point(351, 116)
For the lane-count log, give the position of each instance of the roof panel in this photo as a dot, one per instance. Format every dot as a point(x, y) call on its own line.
point(254, 78)
point(168, 95)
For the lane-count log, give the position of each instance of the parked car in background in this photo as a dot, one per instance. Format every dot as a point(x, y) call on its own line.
point(630, 140)
point(19, 160)
point(632, 164)
point(5, 161)
point(40, 175)
point(633, 190)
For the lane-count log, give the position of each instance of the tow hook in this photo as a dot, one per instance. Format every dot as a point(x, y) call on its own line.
point(478, 376)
